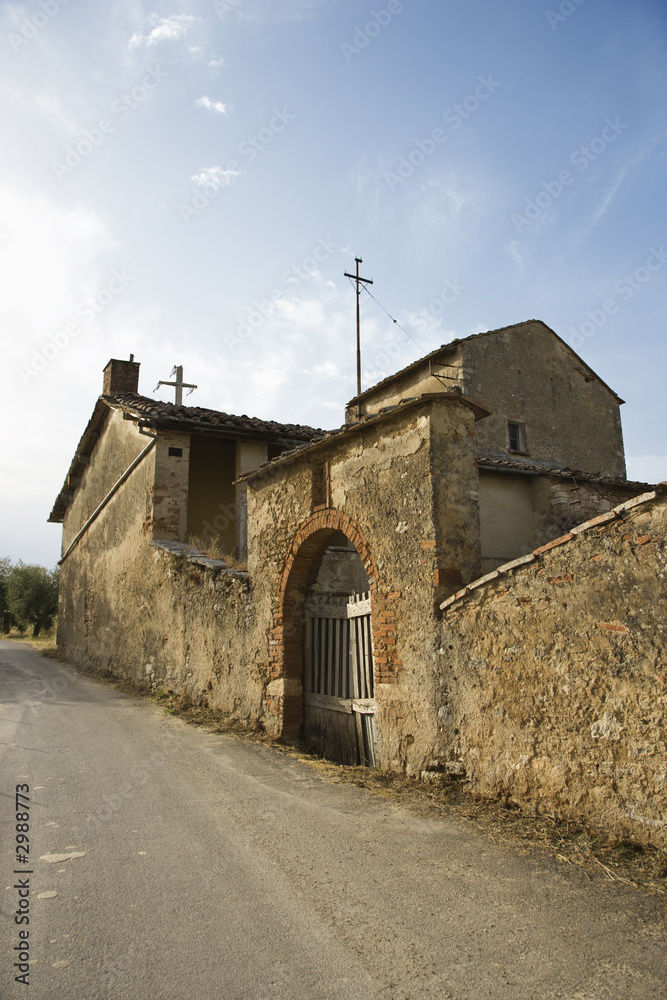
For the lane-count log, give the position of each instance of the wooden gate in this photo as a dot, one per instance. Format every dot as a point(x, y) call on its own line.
point(338, 678)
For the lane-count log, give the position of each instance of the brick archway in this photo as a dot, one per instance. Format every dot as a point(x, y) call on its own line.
point(300, 571)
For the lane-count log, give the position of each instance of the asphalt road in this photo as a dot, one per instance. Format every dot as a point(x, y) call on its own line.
point(218, 868)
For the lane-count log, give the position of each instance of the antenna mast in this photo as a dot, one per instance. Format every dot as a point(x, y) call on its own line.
point(179, 384)
point(366, 281)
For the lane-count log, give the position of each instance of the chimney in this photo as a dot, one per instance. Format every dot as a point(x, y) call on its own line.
point(121, 376)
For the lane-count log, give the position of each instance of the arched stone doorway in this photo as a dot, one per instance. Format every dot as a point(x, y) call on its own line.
point(322, 639)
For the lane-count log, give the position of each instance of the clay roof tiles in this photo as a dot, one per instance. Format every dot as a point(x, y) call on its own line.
point(190, 417)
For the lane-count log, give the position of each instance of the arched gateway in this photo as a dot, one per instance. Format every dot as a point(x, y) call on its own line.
point(323, 639)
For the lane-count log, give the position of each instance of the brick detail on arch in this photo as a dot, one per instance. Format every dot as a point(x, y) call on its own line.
point(299, 573)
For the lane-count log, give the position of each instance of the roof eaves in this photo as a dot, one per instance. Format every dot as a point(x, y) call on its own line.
point(165, 415)
point(562, 472)
point(348, 429)
point(80, 460)
point(657, 491)
point(449, 348)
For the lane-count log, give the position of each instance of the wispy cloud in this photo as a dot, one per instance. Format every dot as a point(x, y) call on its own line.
point(608, 196)
point(514, 249)
point(216, 176)
point(216, 106)
point(163, 29)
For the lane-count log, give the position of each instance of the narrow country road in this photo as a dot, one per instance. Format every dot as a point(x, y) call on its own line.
point(218, 868)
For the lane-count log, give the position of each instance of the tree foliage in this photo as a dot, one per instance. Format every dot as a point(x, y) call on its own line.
point(32, 596)
point(5, 616)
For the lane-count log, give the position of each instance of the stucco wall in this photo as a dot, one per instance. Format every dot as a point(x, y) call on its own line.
point(552, 678)
point(118, 445)
point(519, 512)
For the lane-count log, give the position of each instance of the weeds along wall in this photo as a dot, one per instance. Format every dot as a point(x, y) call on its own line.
point(552, 677)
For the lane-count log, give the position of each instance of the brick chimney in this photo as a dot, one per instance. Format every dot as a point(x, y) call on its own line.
point(121, 376)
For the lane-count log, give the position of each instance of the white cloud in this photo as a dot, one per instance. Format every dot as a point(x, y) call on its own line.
point(217, 176)
point(163, 29)
point(45, 258)
point(215, 63)
point(608, 196)
point(515, 251)
point(216, 106)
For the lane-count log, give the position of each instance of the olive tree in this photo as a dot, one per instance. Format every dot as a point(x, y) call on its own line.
point(5, 616)
point(32, 596)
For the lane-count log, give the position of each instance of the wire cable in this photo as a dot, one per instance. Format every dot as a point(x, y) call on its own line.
point(395, 321)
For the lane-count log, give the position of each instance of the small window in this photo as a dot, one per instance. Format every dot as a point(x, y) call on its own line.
point(175, 452)
point(516, 433)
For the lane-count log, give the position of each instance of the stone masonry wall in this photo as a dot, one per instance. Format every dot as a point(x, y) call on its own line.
point(417, 532)
point(552, 676)
point(149, 611)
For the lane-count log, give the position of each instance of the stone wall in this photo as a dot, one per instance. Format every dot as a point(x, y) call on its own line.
point(526, 373)
point(159, 615)
point(416, 530)
point(552, 674)
point(543, 682)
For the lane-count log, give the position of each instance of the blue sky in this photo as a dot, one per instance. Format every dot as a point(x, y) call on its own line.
point(188, 181)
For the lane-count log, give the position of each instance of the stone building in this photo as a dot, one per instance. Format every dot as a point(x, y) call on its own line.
point(358, 542)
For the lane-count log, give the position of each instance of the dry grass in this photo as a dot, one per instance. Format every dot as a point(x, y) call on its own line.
point(45, 641)
point(213, 548)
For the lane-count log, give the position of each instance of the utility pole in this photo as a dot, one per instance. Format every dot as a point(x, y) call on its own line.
point(179, 384)
point(366, 281)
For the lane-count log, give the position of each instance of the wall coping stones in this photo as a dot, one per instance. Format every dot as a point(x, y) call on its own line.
point(197, 558)
point(660, 490)
point(359, 426)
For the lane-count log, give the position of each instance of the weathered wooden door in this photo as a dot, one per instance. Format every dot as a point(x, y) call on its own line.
point(338, 678)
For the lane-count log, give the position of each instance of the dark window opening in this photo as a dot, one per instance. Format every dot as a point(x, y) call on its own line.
point(175, 452)
point(516, 433)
